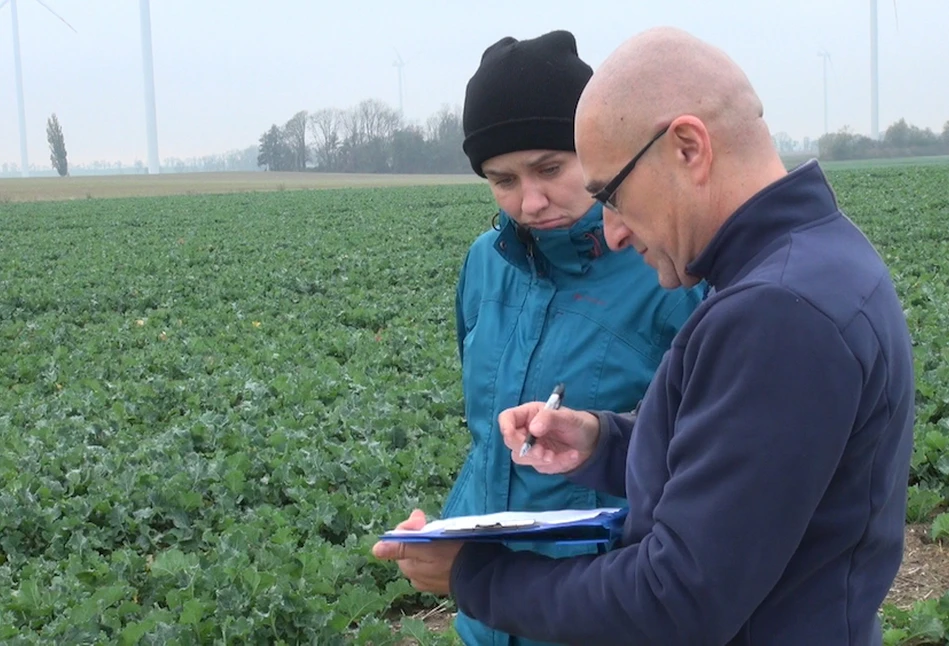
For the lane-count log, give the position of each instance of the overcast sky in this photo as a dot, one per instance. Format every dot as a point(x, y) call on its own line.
point(225, 70)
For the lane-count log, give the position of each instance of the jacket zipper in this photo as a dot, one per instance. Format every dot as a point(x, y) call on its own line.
point(530, 260)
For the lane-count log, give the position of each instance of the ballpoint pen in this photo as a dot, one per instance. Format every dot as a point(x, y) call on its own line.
point(553, 403)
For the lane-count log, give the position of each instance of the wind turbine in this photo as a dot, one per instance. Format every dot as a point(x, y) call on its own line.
point(21, 110)
point(148, 78)
point(826, 56)
point(399, 63)
point(874, 70)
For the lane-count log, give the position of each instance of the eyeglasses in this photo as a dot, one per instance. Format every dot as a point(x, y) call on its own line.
point(605, 195)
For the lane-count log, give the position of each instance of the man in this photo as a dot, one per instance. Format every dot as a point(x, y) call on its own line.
point(766, 468)
point(540, 297)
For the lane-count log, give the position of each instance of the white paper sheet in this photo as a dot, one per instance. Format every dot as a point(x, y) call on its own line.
point(507, 520)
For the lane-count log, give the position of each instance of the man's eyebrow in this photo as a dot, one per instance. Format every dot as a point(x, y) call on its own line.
point(594, 187)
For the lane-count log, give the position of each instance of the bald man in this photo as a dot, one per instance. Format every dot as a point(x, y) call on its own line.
point(766, 469)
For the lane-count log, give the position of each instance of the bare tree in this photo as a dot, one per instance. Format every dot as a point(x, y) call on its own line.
point(295, 133)
point(377, 120)
point(324, 126)
point(445, 137)
point(445, 124)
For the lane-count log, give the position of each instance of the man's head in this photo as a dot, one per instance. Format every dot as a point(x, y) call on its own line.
point(519, 128)
point(705, 148)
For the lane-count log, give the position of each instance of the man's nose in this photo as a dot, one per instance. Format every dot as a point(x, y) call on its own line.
point(616, 234)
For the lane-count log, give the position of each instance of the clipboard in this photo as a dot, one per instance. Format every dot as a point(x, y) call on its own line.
point(570, 526)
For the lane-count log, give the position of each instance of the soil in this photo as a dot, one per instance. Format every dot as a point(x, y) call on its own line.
point(924, 573)
point(437, 619)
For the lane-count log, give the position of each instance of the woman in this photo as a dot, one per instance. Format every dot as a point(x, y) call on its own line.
point(541, 299)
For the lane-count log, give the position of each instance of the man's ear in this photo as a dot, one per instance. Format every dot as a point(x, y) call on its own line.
point(692, 145)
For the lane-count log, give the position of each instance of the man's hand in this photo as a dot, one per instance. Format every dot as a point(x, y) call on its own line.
point(565, 438)
point(427, 566)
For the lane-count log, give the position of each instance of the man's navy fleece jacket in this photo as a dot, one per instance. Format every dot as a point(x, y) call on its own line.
point(767, 470)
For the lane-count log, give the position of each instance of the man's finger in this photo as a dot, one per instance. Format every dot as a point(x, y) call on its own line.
point(393, 550)
point(514, 438)
point(400, 551)
point(508, 424)
point(515, 419)
point(388, 550)
point(420, 585)
point(416, 520)
point(546, 420)
point(536, 457)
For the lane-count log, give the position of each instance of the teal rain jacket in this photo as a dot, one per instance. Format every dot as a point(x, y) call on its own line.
point(535, 308)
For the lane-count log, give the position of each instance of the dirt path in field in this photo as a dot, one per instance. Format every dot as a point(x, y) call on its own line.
point(924, 574)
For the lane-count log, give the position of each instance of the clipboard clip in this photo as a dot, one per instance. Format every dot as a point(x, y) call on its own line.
point(494, 527)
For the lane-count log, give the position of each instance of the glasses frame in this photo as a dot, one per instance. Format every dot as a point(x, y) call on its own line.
point(605, 195)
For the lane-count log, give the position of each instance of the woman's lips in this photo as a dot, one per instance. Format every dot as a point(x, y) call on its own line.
point(552, 223)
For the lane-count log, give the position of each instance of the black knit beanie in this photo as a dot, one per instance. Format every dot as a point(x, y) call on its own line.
point(523, 97)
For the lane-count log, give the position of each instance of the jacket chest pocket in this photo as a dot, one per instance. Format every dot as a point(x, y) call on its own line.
point(482, 366)
point(599, 369)
point(627, 372)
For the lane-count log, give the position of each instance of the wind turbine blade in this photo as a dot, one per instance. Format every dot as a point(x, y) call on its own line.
point(896, 15)
point(47, 7)
point(3, 4)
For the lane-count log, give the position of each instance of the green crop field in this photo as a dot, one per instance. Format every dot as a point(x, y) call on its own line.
point(210, 406)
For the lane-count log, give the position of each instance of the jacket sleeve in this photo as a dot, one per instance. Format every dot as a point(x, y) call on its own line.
point(767, 406)
point(605, 470)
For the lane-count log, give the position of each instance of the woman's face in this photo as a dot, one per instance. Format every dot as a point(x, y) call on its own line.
point(539, 189)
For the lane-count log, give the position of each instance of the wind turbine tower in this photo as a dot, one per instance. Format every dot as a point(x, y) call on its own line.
point(874, 73)
point(399, 64)
point(18, 68)
point(20, 109)
point(149, 79)
point(826, 56)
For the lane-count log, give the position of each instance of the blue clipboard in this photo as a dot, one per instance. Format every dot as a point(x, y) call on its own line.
point(571, 526)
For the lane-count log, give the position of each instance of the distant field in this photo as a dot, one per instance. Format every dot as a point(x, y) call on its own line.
point(790, 161)
point(104, 186)
point(112, 186)
point(886, 163)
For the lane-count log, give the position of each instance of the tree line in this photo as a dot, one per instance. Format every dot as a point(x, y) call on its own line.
point(899, 140)
point(370, 137)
